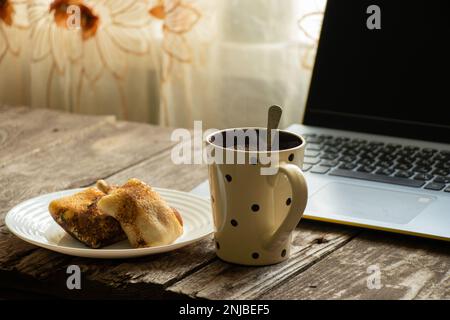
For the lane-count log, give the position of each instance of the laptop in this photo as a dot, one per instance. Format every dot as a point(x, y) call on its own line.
point(377, 119)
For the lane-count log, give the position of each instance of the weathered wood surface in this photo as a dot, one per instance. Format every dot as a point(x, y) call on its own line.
point(328, 261)
point(409, 268)
point(24, 131)
point(221, 280)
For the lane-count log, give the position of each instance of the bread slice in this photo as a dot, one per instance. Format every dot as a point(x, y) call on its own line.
point(79, 216)
point(144, 216)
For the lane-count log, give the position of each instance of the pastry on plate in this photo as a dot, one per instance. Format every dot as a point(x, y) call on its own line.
point(144, 216)
point(79, 216)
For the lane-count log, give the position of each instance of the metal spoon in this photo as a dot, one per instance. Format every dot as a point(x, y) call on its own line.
point(273, 120)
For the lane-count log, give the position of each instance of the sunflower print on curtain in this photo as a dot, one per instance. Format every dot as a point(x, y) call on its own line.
point(97, 67)
point(161, 61)
point(179, 18)
point(13, 54)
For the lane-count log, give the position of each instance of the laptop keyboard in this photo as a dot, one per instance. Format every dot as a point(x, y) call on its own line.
point(377, 161)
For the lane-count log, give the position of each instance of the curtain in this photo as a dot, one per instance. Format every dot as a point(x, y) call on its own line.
point(161, 61)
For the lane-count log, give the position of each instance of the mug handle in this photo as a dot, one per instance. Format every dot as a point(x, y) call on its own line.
point(298, 205)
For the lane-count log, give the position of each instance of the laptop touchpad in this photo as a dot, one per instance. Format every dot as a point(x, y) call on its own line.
point(368, 203)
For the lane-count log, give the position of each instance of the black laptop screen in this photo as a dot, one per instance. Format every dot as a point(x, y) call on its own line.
point(394, 80)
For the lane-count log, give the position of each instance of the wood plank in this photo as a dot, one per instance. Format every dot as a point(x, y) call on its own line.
point(410, 268)
point(160, 171)
point(23, 131)
point(8, 112)
point(220, 280)
point(12, 111)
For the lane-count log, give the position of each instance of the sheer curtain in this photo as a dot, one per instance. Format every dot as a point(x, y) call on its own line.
point(161, 61)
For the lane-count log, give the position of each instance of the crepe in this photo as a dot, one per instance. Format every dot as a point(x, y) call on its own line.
point(143, 215)
point(79, 216)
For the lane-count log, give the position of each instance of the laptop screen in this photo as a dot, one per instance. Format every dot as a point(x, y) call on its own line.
point(394, 80)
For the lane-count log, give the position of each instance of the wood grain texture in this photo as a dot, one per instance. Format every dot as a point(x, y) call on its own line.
point(160, 171)
point(221, 280)
point(410, 268)
point(23, 131)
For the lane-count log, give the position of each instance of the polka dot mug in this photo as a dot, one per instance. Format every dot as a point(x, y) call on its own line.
point(258, 194)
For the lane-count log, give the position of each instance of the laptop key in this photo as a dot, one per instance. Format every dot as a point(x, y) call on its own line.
point(403, 166)
point(341, 139)
point(332, 150)
point(314, 146)
point(440, 179)
point(368, 155)
point(404, 153)
point(376, 144)
point(403, 174)
point(350, 152)
point(311, 153)
point(393, 146)
point(329, 163)
point(440, 164)
point(385, 171)
point(347, 158)
point(423, 155)
point(441, 159)
point(311, 160)
point(435, 186)
point(387, 157)
point(329, 156)
point(420, 169)
point(424, 163)
point(367, 148)
point(366, 169)
point(377, 178)
point(441, 172)
point(406, 160)
point(348, 166)
point(315, 140)
point(320, 169)
point(423, 176)
point(365, 162)
point(383, 164)
point(306, 167)
point(332, 143)
point(351, 145)
point(411, 148)
point(447, 189)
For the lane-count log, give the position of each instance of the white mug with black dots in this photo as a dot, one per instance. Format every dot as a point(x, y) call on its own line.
point(258, 194)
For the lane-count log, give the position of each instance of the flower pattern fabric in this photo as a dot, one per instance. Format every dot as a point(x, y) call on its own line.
point(12, 17)
point(109, 31)
point(173, 57)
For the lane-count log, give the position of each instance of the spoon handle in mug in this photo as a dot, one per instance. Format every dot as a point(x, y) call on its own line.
point(273, 120)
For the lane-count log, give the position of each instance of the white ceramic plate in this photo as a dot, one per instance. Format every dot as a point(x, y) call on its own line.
point(31, 221)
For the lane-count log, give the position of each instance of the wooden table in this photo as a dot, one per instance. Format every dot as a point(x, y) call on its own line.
point(43, 151)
